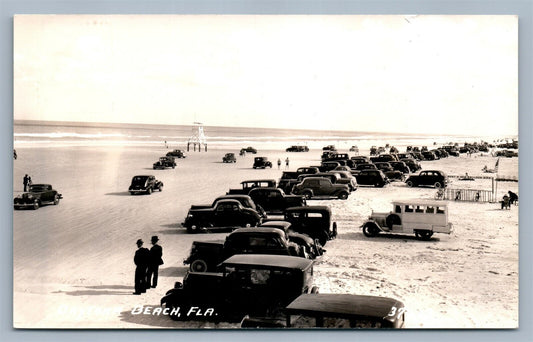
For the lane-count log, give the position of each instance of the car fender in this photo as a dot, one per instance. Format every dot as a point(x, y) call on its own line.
point(374, 222)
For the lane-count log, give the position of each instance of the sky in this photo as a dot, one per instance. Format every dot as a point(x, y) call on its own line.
point(406, 74)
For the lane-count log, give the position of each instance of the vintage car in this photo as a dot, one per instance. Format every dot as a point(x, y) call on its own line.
point(164, 162)
point(345, 177)
point(145, 184)
point(419, 217)
point(329, 148)
point(261, 163)
point(297, 148)
point(205, 256)
point(371, 177)
point(274, 200)
point(400, 166)
point(176, 154)
point(313, 187)
point(363, 166)
point(249, 149)
point(290, 178)
point(360, 160)
point(389, 171)
point(248, 185)
point(335, 310)
point(311, 248)
point(354, 148)
point(314, 221)
point(38, 195)
point(413, 164)
point(245, 200)
point(229, 158)
point(429, 155)
point(247, 284)
point(326, 166)
point(435, 178)
point(384, 158)
point(227, 214)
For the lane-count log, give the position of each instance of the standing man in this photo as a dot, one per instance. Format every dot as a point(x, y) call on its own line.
point(287, 163)
point(26, 181)
point(141, 258)
point(279, 163)
point(156, 253)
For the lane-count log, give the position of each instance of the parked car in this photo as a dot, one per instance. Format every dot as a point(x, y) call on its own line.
point(346, 177)
point(422, 218)
point(164, 162)
point(335, 310)
point(297, 148)
point(413, 165)
point(435, 178)
point(38, 195)
point(384, 158)
point(354, 148)
point(245, 200)
point(206, 255)
point(226, 215)
point(176, 154)
point(240, 288)
point(229, 158)
point(428, 155)
point(248, 185)
point(389, 171)
point(338, 156)
point(321, 187)
point(290, 178)
point(274, 200)
point(312, 248)
point(261, 163)
point(145, 184)
point(326, 166)
point(360, 167)
point(249, 149)
point(400, 166)
point(360, 160)
point(372, 177)
point(314, 221)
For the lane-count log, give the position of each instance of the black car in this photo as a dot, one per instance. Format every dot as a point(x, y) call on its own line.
point(38, 195)
point(261, 163)
point(435, 178)
point(145, 184)
point(176, 154)
point(164, 162)
point(297, 148)
point(249, 149)
point(229, 158)
point(372, 177)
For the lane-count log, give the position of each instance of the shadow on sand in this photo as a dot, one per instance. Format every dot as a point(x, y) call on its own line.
point(122, 193)
point(383, 237)
point(173, 271)
point(102, 290)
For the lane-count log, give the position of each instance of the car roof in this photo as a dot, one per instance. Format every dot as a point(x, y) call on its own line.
point(268, 260)
point(258, 180)
point(232, 196)
point(40, 185)
point(277, 224)
point(258, 230)
point(343, 304)
point(310, 208)
point(421, 202)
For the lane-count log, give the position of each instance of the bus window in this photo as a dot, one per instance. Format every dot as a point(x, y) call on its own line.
point(409, 209)
point(398, 209)
point(430, 210)
point(440, 210)
point(419, 209)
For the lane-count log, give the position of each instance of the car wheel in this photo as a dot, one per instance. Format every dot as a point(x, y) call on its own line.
point(343, 195)
point(438, 185)
point(35, 205)
point(149, 191)
point(410, 184)
point(198, 265)
point(131, 193)
point(370, 229)
point(314, 290)
point(173, 166)
point(323, 238)
point(254, 167)
point(154, 167)
point(424, 234)
point(160, 188)
point(307, 195)
point(56, 200)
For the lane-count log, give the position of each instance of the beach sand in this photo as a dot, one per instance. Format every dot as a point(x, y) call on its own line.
point(73, 263)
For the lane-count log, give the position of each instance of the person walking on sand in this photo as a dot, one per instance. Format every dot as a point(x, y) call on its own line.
point(513, 198)
point(279, 163)
point(287, 163)
point(156, 254)
point(141, 258)
point(26, 181)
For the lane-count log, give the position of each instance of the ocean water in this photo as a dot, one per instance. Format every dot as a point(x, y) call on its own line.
point(46, 134)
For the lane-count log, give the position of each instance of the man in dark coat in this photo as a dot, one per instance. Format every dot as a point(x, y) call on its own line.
point(141, 259)
point(156, 254)
point(26, 181)
point(513, 198)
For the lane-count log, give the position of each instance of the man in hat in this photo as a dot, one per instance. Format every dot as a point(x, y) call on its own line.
point(26, 181)
point(156, 254)
point(141, 259)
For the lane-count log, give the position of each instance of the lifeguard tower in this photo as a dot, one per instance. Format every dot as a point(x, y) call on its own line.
point(197, 137)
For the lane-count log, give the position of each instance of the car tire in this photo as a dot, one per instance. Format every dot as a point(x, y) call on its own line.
point(307, 195)
point(323, 238)
point(132, 193)
point(149, 191)
point(438, 185)
point(423, 234)
point(314, 290)
point(410, 184)
point(161, 188)
point(343, 195)
point(370, 229)
point(56, 200)
point(198, 265)
point(35, 205)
